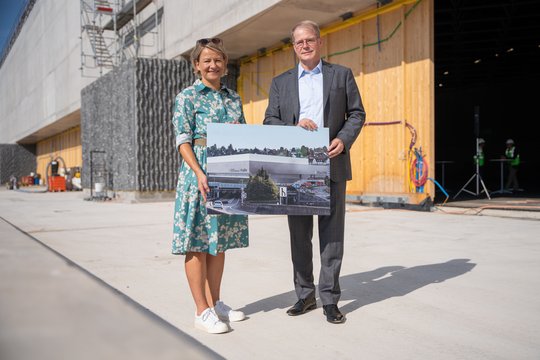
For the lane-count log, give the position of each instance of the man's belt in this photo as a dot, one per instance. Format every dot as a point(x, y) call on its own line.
point(200, 141)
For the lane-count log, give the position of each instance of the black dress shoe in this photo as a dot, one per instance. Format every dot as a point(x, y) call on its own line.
point(333, 315)
point(302, 306)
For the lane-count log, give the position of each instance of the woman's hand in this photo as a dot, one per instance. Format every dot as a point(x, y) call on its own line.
point(202, 182)
point(189, 157)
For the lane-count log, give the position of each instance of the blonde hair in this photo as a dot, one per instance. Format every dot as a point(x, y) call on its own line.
point(202, 44)
point(306, 24)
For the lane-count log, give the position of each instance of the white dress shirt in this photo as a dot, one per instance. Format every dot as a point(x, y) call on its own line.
point(310, 91)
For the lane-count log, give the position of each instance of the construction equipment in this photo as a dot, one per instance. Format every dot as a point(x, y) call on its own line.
point(479, 155)
point(477, 176)
point(55, 182)
point(99, 175)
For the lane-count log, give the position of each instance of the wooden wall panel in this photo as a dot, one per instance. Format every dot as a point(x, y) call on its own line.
point(383, 92)
point(396, 83)
point(420, 69)
point(255, 80)
point(283, 61)
point(245, 90)
point(261, 80)
point(66, 145)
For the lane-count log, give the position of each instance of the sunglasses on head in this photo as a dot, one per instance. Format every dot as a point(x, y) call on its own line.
point(216, 41)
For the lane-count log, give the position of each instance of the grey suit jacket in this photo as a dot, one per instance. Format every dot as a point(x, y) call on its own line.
point(344, 113)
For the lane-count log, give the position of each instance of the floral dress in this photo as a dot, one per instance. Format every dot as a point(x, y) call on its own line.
point(194, 230)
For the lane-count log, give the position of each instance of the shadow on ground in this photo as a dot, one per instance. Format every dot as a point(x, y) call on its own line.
point(374, 286)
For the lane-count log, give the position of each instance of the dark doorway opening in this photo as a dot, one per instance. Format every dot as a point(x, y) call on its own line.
point(487, 54)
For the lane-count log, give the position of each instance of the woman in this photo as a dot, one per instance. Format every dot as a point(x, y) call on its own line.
point(201, 237)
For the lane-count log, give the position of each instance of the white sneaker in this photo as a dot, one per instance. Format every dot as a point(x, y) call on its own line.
point(225, 313)
point(209, 322)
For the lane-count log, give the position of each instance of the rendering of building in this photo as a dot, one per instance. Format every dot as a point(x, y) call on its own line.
point(281, 168)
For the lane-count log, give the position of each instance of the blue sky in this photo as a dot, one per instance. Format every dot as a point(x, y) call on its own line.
point(9, 14)
point(261, 136)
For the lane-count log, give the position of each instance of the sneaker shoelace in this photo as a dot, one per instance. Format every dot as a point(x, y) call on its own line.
point(209, 314)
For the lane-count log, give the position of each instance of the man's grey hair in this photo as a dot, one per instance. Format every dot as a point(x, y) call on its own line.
point(306, 24)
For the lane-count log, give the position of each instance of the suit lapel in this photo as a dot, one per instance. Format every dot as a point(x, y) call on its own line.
point(328, 76)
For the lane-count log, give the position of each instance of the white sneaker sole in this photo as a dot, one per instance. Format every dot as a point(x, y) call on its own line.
point(213, 330)
point(232, 319)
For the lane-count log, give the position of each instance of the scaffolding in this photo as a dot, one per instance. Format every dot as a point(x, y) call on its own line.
point(113, 31)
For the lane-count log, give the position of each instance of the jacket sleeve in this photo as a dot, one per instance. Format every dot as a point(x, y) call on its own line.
point(355, 114)
point(272, 115)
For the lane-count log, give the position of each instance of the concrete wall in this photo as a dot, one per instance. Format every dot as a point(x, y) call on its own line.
point(189, 20)
point(40, 80)
point(128, 113)
point(108, 123)
point(157, 84)
point(16, 160)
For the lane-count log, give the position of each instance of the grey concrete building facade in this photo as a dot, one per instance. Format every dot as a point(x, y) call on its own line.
point(126, 112)
point(16, 160)
point(126, 123)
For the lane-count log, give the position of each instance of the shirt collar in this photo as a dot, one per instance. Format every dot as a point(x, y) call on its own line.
point(316, 70)
point(200, 87)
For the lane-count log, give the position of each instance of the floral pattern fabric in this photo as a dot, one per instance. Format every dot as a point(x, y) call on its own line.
point(194, 230)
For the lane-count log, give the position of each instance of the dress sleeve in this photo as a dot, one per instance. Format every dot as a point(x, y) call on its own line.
point(183, 119)
point(238, 104)
point(241, 119)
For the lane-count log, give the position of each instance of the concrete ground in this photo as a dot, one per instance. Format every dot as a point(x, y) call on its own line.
point(52, 309)
point(415, 285)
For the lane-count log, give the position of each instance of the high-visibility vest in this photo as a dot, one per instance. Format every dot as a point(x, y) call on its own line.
point(479, 158)
point(509, 153)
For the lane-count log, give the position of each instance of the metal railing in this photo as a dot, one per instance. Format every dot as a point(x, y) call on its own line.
point(112, 32)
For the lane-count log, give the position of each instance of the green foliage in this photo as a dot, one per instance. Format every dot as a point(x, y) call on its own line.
point(304, 150)
point(261, 187)
point(299, 152)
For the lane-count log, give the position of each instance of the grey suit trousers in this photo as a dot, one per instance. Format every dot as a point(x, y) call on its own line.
point(331, 235)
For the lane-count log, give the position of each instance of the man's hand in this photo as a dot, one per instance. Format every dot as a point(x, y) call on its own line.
point(336, 147)
point(307, 124)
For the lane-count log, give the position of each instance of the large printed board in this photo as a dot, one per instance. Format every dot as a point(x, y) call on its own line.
point(256, 169)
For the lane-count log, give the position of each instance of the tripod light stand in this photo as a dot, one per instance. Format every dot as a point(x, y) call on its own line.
point(476, 174)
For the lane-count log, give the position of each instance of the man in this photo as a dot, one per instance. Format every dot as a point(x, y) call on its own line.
point(512, 155)
point(312, 95)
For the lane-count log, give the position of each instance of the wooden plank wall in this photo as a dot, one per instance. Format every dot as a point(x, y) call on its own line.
point(67, 145)
point(396, 83)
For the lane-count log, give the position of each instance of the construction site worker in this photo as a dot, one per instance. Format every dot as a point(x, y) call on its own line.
point(512, 155)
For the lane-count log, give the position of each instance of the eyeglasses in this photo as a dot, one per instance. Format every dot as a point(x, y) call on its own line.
point(307, 42)
point(216, 41)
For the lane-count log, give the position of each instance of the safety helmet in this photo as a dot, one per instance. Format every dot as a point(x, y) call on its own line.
point(509, 142)
point(481, 141)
